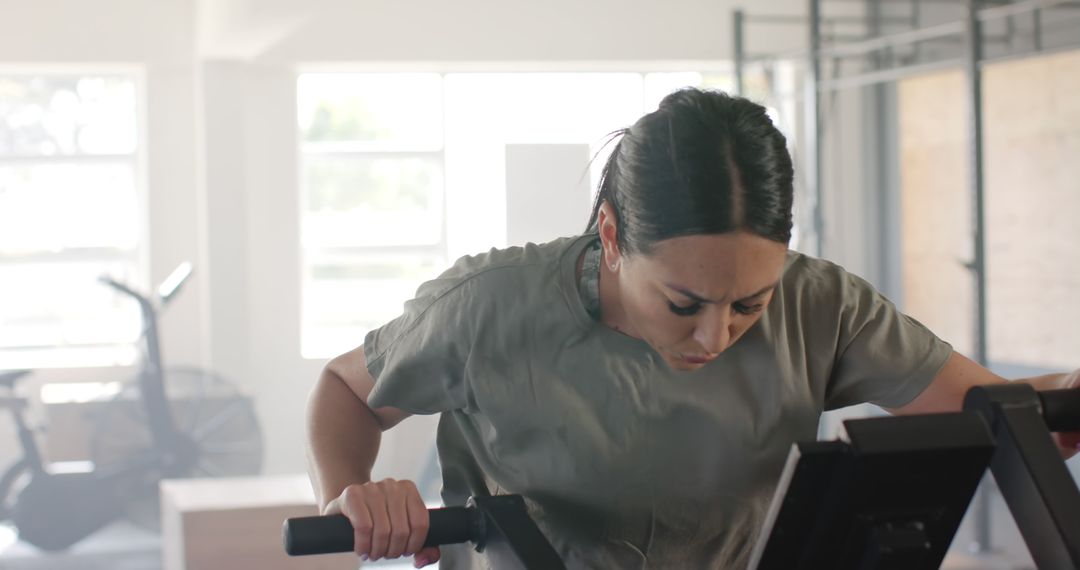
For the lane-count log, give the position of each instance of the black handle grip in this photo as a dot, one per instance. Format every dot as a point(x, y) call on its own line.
point(334, 533)
point(1061, 409)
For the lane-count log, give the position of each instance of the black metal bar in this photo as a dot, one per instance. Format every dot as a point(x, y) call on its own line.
point(879, 137)
point(1021, 55)
point(813, 126)
point(498, 526)
point(1018, 8)
point(973, 75)
point(334, 533)
point(1030, 472)
point(893, 40)
point(1061, 409)
point(738, 22)
point(886, 75)
point(793, 19)
point(1037, 25)
point(975, 167)
point(513, 541)
point(936, 31)
point(844, 38)
point(916, 19)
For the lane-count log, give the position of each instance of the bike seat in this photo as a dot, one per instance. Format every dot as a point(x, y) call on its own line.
point(10, 377)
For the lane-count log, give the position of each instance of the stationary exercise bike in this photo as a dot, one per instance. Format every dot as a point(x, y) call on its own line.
point(165, 424)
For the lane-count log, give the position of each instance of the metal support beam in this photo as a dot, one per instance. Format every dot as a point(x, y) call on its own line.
point(973, 75)
point(1037, 25)
point(812, 102)
point(738, 22)
point(801, 20)
point(1027, 465)
point(975, 166)
point(887, 75)
point(893, 40)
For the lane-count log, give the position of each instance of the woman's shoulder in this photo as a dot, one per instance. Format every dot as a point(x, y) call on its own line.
point(820, 279)
point(508, 273)
point(521, 259)
point(803, 270)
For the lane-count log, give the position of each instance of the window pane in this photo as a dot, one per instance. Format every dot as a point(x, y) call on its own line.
point(51, 306)
point(391, 109)
point(1031, 200)
point(56, 206)
point(346, 298)
point(69, 211)
point(66, 115)
point(1031, 145)
point(370, 201)
point(936, 226)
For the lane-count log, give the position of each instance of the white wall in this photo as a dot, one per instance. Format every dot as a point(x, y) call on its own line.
point(474, 30)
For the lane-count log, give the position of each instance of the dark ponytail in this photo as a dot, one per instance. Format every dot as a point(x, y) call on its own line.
point(703, 163)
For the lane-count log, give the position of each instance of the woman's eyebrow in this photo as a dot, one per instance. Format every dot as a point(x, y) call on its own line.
point(699, 299)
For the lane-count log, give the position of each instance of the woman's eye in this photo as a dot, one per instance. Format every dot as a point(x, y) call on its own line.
point(684, 311)
point(747, 310)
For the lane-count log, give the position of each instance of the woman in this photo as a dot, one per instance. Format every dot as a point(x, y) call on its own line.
point(640, 384)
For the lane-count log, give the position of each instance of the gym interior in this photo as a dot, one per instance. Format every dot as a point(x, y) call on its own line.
point(203, 201)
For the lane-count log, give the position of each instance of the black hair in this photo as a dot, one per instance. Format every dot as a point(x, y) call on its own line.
point(703, 163)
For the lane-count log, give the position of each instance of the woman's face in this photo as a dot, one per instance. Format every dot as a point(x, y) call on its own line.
point(692, 297)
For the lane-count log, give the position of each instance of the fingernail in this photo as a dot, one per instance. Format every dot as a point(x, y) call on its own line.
point(364, 557)
point(421, 562)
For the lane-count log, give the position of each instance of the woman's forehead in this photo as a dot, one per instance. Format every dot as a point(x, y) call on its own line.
point(730, 266)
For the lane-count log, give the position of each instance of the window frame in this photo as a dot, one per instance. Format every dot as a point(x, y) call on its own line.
point(105, 353)
point(442, 69)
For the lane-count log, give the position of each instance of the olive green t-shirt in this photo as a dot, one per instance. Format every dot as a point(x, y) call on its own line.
point(625, 463)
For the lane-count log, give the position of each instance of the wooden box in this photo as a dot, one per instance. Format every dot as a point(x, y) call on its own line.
point(217, 524)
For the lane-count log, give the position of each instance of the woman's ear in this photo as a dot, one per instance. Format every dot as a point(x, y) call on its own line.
point(608, 227)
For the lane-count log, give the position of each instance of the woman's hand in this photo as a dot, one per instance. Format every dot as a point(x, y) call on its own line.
point(389, 520)
point(1069, 442)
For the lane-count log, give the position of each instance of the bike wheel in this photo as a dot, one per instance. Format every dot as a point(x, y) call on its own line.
point(12, 482)
point(216, 424)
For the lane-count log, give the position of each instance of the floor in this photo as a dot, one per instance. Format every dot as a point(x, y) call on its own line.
point(124, 546)
point(121, 546)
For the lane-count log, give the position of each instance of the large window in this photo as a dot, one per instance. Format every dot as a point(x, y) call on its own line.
point(1031, 139)
point(391, 161)
point(70, 210)
point(372, 178)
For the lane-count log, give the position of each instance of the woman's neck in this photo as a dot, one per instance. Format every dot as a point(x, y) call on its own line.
point(611, 308)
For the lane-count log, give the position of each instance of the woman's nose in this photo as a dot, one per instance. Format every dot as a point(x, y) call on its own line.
point(713, 333)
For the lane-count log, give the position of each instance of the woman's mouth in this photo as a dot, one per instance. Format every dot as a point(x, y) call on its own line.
point(694, 359)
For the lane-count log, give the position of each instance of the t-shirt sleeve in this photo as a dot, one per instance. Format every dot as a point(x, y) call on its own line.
point(882, 355)
point(419, 359)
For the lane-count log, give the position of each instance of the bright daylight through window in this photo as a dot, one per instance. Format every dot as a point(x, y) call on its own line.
point(385, 157)
point(70, 210)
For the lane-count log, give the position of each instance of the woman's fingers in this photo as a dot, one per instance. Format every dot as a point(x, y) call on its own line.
point(1068, 443)
point(376, 500)
point(400, 530)
point(389, 519)
point(352, 505)
point(426, 556)
point(419, 520)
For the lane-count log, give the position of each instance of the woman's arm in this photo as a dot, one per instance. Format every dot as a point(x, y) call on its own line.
point(343, 432)
point(946, 391)
point(388, 517)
